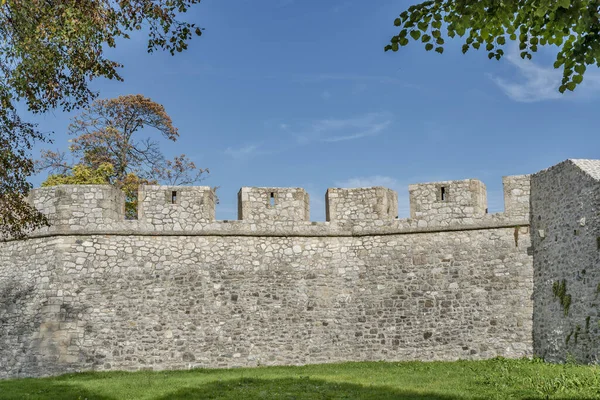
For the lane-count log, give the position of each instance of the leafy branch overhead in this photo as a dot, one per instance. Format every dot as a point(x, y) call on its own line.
point(572, 26)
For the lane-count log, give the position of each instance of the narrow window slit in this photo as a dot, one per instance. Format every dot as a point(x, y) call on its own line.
point(173, 197)
point(443, 195)
point(272, 199)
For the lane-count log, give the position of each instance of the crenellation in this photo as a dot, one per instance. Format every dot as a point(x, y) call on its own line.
point(273, 204)
point(517, 191)
point(361, 204)
point(80, 207)
point(438, 202)
point(162, 207)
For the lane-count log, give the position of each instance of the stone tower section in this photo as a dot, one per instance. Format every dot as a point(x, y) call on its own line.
point(565, 234)
point(362, 204)
point(175, 207)
point(80, 207)
point(447, 200)
point(517, 190)
point(273, 204)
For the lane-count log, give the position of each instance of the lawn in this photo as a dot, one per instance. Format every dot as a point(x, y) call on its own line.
point(491, 379)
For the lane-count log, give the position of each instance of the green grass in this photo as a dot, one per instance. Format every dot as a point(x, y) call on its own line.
point(492, 379)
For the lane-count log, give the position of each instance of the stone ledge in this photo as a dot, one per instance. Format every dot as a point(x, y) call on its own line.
point(313, 230)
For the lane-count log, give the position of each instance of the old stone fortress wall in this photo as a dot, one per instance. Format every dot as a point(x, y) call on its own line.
point(178, 289)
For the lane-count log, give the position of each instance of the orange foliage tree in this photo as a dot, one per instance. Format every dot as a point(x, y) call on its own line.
point(109, 132)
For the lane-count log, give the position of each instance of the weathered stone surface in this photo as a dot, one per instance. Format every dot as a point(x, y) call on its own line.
point(565, 221)
point(179, 302)
point(175, 207)
point(361, 204)
point(176, 289)
point(439, 201)
point(273, 204)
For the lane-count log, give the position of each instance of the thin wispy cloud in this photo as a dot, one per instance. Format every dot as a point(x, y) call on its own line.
point(330, 130)
point(243, 152)
point(385, 181)
point(538, 83)
point(338, 129)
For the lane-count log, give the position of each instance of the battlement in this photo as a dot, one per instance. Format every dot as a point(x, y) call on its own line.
point(172, 207)
point(455, 199)
point(362, 204)
point(273, 204)
point(80, 207)
point(278, 210)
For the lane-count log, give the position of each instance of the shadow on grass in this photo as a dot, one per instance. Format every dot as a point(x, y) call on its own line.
point(244, 388)
point(295, 388)
point(302, 388)
point(46, 389)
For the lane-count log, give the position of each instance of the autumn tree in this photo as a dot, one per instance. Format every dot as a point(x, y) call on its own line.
point(108, 148)
point(572, 26)
point(49, 53)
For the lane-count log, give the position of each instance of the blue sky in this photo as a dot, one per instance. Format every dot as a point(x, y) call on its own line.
point(301, 94)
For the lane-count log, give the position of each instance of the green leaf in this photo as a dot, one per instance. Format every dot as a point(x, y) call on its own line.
point(563, 4)
point(577, 79)
point(501, 40)
point(465, 48)
point(562, 88)
point(394, 46)
point(415, 34)
point(540, 11)
point(439, 49)
point(425, 38)
point(557, 63)
point(580, 69)
point(436, 33)
point(403, 42)
point(476, 45)
point(439, 41)
point(490, 55)
point(397, 22)
point(436, 24)
point(428, 46)
point(571, 86)
point(489, 47)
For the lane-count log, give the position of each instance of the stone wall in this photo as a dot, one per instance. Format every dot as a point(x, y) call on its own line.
point(565, 201)
point(278, 291)
point(175, 207)
point(434, 202)
point(361, 204)
point(273, 204)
